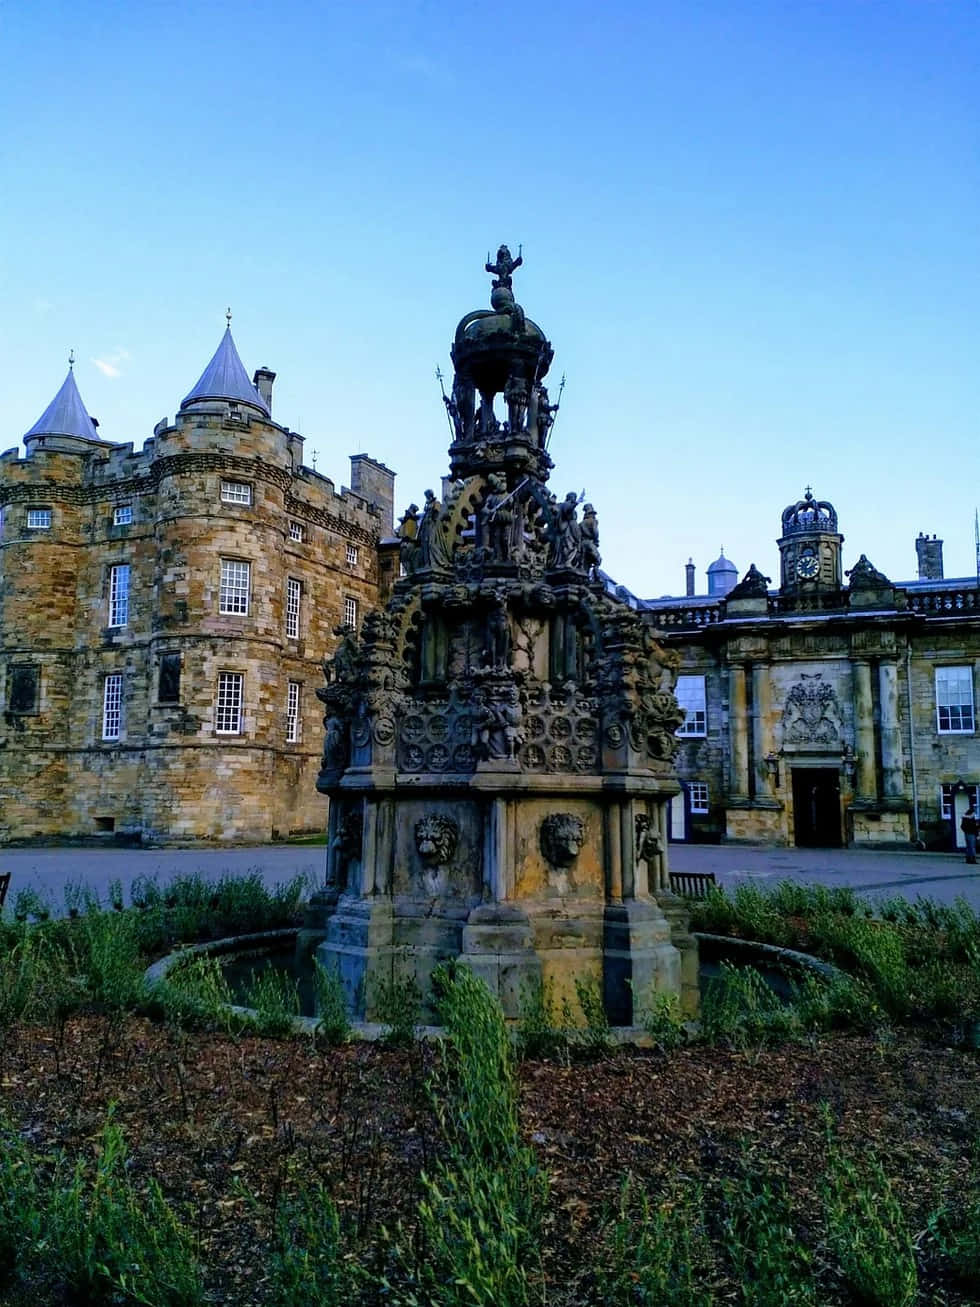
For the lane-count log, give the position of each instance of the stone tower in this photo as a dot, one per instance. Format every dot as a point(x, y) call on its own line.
point(499, 742)
point(810, 551)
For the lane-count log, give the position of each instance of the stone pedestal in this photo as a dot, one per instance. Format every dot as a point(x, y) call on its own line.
point(359, 947)
point(498, 947)
point(638, 958)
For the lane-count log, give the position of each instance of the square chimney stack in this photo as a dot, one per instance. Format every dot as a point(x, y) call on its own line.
point(929, 551)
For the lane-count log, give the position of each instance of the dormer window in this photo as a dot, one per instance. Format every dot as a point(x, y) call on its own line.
point(236, 492)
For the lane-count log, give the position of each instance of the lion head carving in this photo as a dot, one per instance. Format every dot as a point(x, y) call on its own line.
point(562, 836)
point(435, 839)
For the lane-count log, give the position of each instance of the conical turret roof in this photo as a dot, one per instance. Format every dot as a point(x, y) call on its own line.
point(66, 415)
point(225, 378)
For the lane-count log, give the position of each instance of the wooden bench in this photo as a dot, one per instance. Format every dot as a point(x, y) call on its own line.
point(4, 886)
point(692, 884)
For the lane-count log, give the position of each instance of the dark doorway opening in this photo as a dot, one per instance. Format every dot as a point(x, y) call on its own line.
point(816, 807)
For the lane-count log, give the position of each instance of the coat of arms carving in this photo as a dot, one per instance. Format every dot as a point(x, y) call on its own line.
point(812, 713)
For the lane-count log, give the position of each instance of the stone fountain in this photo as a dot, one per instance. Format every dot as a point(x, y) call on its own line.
point(499, 737)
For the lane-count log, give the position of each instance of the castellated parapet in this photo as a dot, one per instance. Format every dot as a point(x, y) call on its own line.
point(164, 614)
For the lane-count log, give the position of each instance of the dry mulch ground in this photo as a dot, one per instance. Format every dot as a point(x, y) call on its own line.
point(217, 1119)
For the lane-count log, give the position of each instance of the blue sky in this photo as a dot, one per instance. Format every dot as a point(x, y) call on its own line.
point(751, 231)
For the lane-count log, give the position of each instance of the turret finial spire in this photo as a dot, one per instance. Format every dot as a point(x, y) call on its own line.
point(71, 359)
point(228, 317)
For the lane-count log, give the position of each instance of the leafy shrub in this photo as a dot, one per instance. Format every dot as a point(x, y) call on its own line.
point(331, 1005)
point(481, 1208)
point(650, 1255)
point(308, 1266)
point(660, 1016)
point(397, 1003)
point(89, 1228)
point(770, 1264)
point(955, 1229)
point(868, 1234)
point(196, 992)
point(113, 1243)
point(274, 998)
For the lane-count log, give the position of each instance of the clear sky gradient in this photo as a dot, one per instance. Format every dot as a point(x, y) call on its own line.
point(751, 230)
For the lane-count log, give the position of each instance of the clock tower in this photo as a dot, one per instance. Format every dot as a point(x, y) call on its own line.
point(810, 549)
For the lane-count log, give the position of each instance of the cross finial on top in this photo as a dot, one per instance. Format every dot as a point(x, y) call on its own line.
point(808, 492)
point(71, 359)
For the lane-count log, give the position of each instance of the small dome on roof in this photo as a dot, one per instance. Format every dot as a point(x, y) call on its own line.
point(722, 575)
point(66, 415)
point(225, 378)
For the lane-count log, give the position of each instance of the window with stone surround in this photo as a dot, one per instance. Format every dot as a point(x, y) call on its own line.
point(691, 697)
point(23, 688)
point(350, 610)
point(39, 519)
point(954, 700)
point(234, 593)
point(112, 706)
point(292, 711)
point(698, 791)
point(122, 515)
point(352, 555)
point(294, 591)
point(296, 532)
point(228, 709)
point(168, 685)
point(119, 594)
point(236, 492)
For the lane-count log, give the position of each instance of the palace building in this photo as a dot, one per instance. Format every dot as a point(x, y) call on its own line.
point(164, 614)
point(838, 708)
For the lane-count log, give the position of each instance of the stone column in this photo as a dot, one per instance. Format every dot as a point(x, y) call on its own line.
point(495, 851)
point(864, 733)
point(761, 737)
point(893, 780)
point(614, 856)
point(738, 786)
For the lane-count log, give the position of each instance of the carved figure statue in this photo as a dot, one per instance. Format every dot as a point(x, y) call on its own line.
point(407, 532)
point(648, 845)
point(435, 839)
point(590, 558)
point(561, 836)
point(498, 518)
point(461, 408)
point(498, 645)
point(516, 397)
point(541, 414)
point(346, 847)
point(432, 551)
point(864, 576)
point(507, 737)
point(753, 585)
point(336, 750)
point(342, 665)
point(566, 533)
point(504, 268)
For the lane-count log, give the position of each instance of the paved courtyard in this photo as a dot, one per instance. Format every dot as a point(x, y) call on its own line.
point(940, 876)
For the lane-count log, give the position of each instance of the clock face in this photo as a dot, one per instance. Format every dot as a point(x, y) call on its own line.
point(807, 567)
